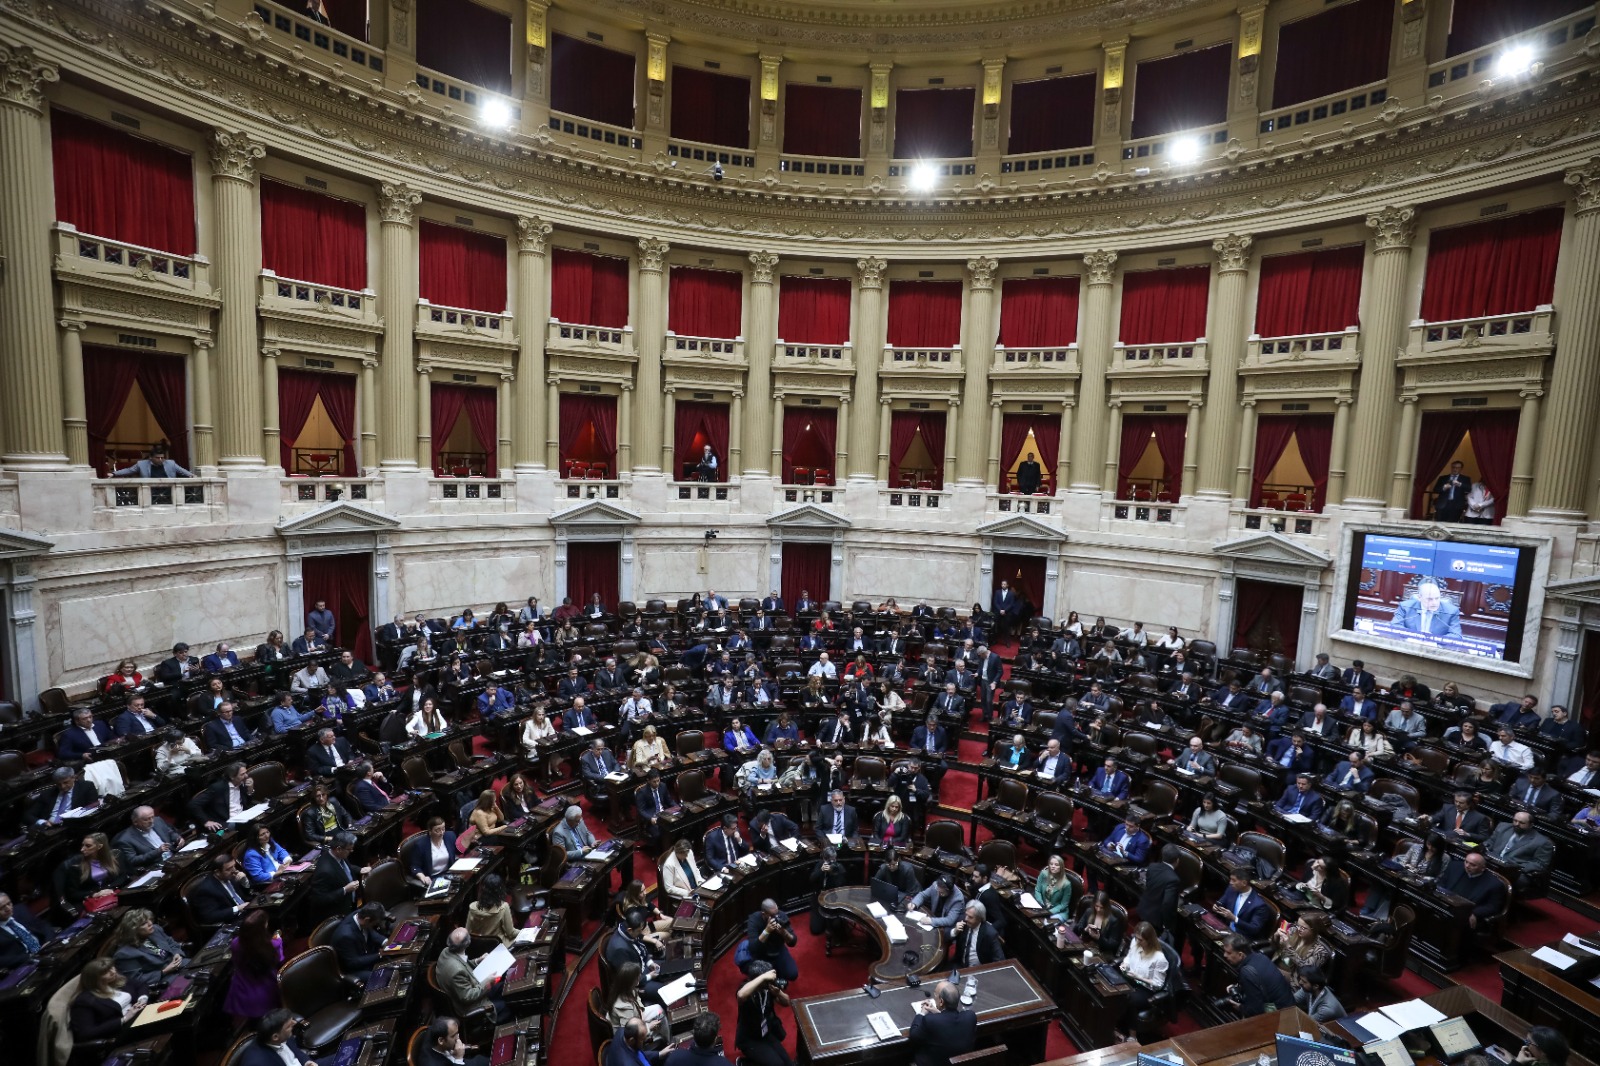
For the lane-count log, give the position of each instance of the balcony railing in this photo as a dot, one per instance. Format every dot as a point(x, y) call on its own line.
point(1016, 503)
point(310, 296)
point(708, 347)
point(589, 130)
point(615, 339)
point(458, 322)
point(1116, 514)
point(1151, 151)
point(830, 166)
point(824, 354)
point(926, 499)
point(1033, 162)
point(699, 152)
point(158, 501)
point(85, 252)
point(495, 494)
point(461, 92)
point(704, 495)
point(1188, 353)
point(339, 46)
point(301, 494)
point(1265, 519)
point(812, 493)
point(1552, 42)
point(1016, 357)
point(460, 465)
point(1293, 348)
point(1349, 104)
point(1525, 331)
point(905, 358)
point(574, 489)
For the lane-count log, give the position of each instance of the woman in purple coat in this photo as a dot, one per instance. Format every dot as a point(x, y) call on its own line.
point(257, 954)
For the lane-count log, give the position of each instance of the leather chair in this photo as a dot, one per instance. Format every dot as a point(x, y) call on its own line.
point(414, 1047)
point(1191, 870)
point(600, 1055)
point(869, 769)
point(268, 779)
point(691, 786)
point(1012, 793)
point(1433, 760)
point(1391, 953)
point(323, 933)
point(416, 772)
point(199, 931)
point(1304, 695)
point(1245, 779)
point(655, 608)
point(949, 837)
point(689, 741)
point(316, 990)
point(387, 884)
point(600, 1029)
point(235, 1053)
point(861, 608)
point(1054, 807)
point(555, 864)
point(1142, 746)
point(1266, 846)
point(477, 1024)
point(1281, 664)
point(1204, 650)
point(996, 853)
point(627, 610)
point(1160, 798)
point(53, 702)
point(1144, 682)
point(13, 764)
point(1388, 786)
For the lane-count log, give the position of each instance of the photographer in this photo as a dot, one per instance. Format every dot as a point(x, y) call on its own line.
point(760, 1033)
point(770, 938)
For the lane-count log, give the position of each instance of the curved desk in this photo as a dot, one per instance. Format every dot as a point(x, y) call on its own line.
point(922, 951)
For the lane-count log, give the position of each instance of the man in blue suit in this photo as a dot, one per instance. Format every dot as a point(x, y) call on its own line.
point(137, 719)
point(82, 736)
point(724, 845)
point(1271, 716)
point(1358, 706)
point(274, 1038)
point(226, 732)
point(1429, 612)
point(773, 604)
point(1127, 841)
point(495, 701)
point(1243, 908)
point(222, 659)
point(930, 738)
point(1261, 986)
point(1351, 775)
point(1109, 782)
point(1300, 798)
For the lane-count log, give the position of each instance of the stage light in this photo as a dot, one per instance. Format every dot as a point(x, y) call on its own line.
point(924, 176)
point(495, 113)
point(1184, 150)
point(1514, 62)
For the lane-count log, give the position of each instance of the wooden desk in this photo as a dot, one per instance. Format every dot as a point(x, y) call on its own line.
point(924, 947)
point(1490, 1022)
point(1011, 1006)
point(1241, 1041)
point(1545, 996)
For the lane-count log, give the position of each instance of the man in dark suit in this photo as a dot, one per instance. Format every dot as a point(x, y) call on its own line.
point(1007, 607)
point(136, 719)
point(572, 685)
point(393, 632)
point(837, 818)
point(576, 716)
point(22, 933)
point(443, 1046)
point(1351, 775)
point(597, 762)
point(178, 668)
point(836, 730)
point(1261, 986)
point(225, 798)
point(629, 1046)
point(1187, 689)
point(975, 942)
point(1109, 782)
point(69, 793)
point(989, 669)
point(147, 840)
point(1127, 841)
point(218, 897)
point(1054, 766)
point(1523, 848)
point(1300, 798)
point(358, 940)
point(1158, 903)
point(1195, 759)
point(1317, 722)
point(224, 658)
point(770, 937)
point(1470, 878)
point(941, 1029)
point(767, 829)
point(334, 882)
point(930, 739)
point(1450, 494)
point(227, 731)
point(1459, 821)
point(1029, 475)
point(274, 1037)
point(632, 942)
point(1242, 907)
point(651, 799)
point(330, 752)
point(1356, 676)
point(773, 603)
point(1231, 696)
point(1533, 792)
point(82, 736)
point(724, 845)
point(307, 643)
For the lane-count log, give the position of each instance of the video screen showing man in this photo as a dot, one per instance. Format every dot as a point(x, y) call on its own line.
point(1429, 611)
point(1454, 596)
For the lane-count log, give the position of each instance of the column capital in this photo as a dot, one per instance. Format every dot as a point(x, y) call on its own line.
point(234, 154)
point(626, 386)
point(844, 399)
point(1197, 403)
point(870, 271)
point(203, 344)
point(531, 233)
point(73, 325)
point(885, 400)
point(997, 404)
point(737, 394)
point(1585, 180)
point(1392, 227)
point(982, 270)
point(1343, 401)
point(506, 375)
point(424, 369)
point(953, 401)
point(271, 353)
point(652, 254)
point(369, 364)
point(764, 263)
point(1233, 252)
point(397, 202)
point(552, 380)
point(1248, 401)
point(1100, 264)
point(668, 390)
point(1531, 393)
point(23, 76)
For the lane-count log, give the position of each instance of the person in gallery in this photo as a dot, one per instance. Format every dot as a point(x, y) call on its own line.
point(1029, 475)
point(156, 464)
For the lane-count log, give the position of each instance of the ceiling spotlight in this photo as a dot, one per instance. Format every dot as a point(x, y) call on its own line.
point(495, 113)
point(923, 177)
point(1513, 62)
point(1184, 150)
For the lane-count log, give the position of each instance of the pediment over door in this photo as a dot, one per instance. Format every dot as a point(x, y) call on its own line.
point(594, 514)
point(1583, 590)
point(1022, 527)
point(1274, 556)
point(14, 543)
point(808, 518)
point(338, 518)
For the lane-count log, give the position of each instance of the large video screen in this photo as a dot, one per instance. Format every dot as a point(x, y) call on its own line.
point(1453, 597)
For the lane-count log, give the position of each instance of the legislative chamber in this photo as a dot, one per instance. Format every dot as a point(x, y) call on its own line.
point(711, 532)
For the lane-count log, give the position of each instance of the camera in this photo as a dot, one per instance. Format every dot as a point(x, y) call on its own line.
point(711, 534)
point(716, 171)
point(780, 984)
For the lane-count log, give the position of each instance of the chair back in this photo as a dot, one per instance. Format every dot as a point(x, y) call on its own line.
point(416, 771)
point(870, 768)
point(387, 884)
point(311, 981)
point(555, 864)
point(1191, 868)
point(1388, 786)
point(945, 835)
point(599, 1025)
point(691, 786)
point(414, 1047)
point(1054, 807)
point(997, 852)
point(1267, 846)
point(268, 779)
point(1247, 779)
point(1433, 760)
point(1393, 953)
point(655, 607)
point(1141, 743)
point(322, 935)
point(53, 701)
point(1304, 695)
point(235, 1054)
point(689, 741)
point(13, 764)
point(1011, 793)
point(1160, 798)
point(627, 609)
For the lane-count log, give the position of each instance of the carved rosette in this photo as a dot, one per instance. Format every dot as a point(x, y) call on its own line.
point(397, 203)
point(1233, 252)
point(871, 271)
point(23, 77)
point(764, 263)
point(234, 155)
point(1101, 265)
point(1393, 228)
point(531, 234)
point(652, 254)
point(982, 270)
point(1585, 182)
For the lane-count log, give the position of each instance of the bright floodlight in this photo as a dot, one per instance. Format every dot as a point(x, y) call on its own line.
point(495, 113)
point(924, 176)
point(1513, 62)
point(1184, 150)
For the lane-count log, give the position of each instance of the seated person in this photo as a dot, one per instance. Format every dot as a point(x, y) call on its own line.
point(69, 793)
point(1127, 842)
point(358, 941)
point(1470, 877)
point(652, 799)
point(725, 845)
point(431, 854)
point(1300, 798)
point(975, 942)
point(1508, 749)
point(573, 835)
point(225, 800)
point(137, 719)
point(219, 897)
point(680, 873)
point(1351, 775)
point(453, 972)
point(323, 816)
point(1244, 740)
point(1261, 987)
point(1460, 822)
point(890, 826)
point(1013, 755)
point(1242, 907)
point(368, 790)
point(942, 902)
point(1195, 759)
point(768, 829)
point(328, 754)
point(1292, 753)
point(1109, 782)
point(226, 731)
point(1209, 820)
point(263, 857)
point(739, 739)
point(105, 1003)
point(1523, 848)
point(94, 874)
point(285, 716)
point(1518, 714)
point(781, 729)
point(837, 819)
point(147, 840)
point(143, 952)
point(176, 752)
point(84, 735)
point(1357, 705)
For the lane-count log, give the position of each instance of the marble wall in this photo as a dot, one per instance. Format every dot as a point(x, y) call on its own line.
point(443, 582)
point(911, 574)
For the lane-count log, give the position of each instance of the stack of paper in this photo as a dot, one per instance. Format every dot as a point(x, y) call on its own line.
point(145, 879)
point(1554, 958)
point(582, 730)
point(1413, 1014)
point(1379, 1026)
point(789, 844)
point(896, 930)
point(527, 936)
point(712, 884)
point(1030, 903)
point(876, 909)
point(677, 991)
point(493, 964)
point(883, 1025)
point(198, 844)
point(251, 814)
point(1572, 940)
point(916, 916)
point(749, 862)
point(465, 866)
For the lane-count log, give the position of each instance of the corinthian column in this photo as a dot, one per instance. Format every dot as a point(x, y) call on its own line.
point(763, 338)
point(527, 404)
point(397, 297)
point(869, 357)
point(977, 352)
point(30, 370)
point(239, 366)
point(1567, 439)
point(75, 407)
point(1383, 327)
point(648, 423)
point(1089, 434)
point(1219, 439)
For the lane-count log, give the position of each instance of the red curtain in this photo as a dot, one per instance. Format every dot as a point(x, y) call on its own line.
point(1333, 50)
point(1169, 431)
point(1182, 92)
point(924, 314)
point(807, 568)
point(814, 310)
point(1014, 434)
point(1165, 306)
point(1171, 436)
point(1026, 574)
point(588, 432)
point(933, 123)
point(1310, 292)
point(903, 429)
point(1052, 113)
point(588, 290)
point(1038, 312)
point(700, 424)
point(1492, 268)
point(460, 268)
point(1494, 444)
point(297, 395)
point(593, 566)
point(1475, 23)
point(1277, 607)
point(1273, 435)
point(465, 40)
point(344, 583)
point(591, 82)
point(310, 237)
point(705, 303)
point(447, 403)
point(339, 400)
point(822, 120)
point(710, 108)
point(109, 375)
point(1314, 436)
point(113, 184)
point(810, 435)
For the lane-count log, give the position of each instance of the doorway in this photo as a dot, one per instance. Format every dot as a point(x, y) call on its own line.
point(344, 582)
point(1026, 574)
point(1266, 617)
point(807, 568)
point(594, 566)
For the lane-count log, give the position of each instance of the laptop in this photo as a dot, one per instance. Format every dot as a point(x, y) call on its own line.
point(1455, 1038)
point(1292, 1051)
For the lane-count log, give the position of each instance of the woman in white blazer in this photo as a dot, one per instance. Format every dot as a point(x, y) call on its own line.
point(678, 884)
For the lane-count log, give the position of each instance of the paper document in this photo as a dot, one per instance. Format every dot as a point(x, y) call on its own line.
point(149, 878)
point(883, 1025)
point(749, 862)
point(677, 991)
point(712, 884)
point(465, 866)
point(1412, 1014)
point(493, 964)
point(1380, 1025)
point(1554, 958)
point(81, 812)
point(876, 909)
point(617, 776)
point(161, 1011)
point(835, 839)
point(527, 936)
point(250, 814)
point(895, 929)
point(1297, 818)
point(198, 844)
point(789, 844)
point(1571, 940)
point(1030, 903)
point(582, 730)
point(1186, 773)
point(916, 916)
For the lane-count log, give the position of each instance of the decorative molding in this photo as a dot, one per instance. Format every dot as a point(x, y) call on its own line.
point(1233, 253)
point(764, 263)
point(982, 270)
point(234, 155)
point(652, 254)
point(1101, 266)
point(532, 232)
point(1393, 228)
point(397, 202)
point(23, 77)
point(1585, 182)
point(870, 270)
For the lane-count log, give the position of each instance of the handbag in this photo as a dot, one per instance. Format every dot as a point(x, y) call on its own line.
point(96, 904)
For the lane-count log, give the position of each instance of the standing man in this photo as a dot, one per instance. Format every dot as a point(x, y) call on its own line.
point(1029, 475)
point(770, 937)
point(1006, 606)
point(1450, 495)
point(321, 619)
point(941, 1029)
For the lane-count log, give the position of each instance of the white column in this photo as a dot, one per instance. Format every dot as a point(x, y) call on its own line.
point(240, 428)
